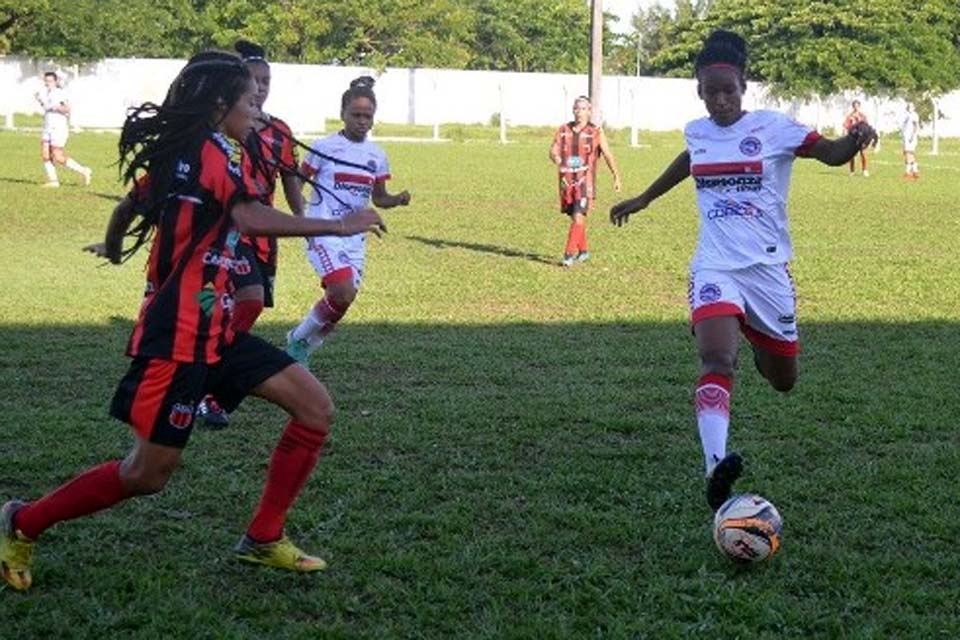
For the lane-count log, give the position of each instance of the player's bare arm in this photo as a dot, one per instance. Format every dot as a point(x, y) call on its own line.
point(293, 192)
point(555, 151)
point(610, 160)
point(256, 219)
point(112, 246)
point(838, 152)
point(384, 200)
point(674, 174)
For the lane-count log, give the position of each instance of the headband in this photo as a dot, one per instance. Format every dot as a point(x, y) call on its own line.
point(254, 59)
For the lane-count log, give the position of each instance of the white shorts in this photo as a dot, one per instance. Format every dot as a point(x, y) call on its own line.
point(55, 137)
point(333, 256)
point(910, 146)
point(761, 296)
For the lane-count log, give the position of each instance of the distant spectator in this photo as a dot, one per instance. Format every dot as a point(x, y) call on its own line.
point(910, 128)
point(56, 130)
point(854, 117)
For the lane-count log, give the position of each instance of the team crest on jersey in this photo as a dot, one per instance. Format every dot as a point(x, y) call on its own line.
point(709, 292)
point(181, 415)
point(750, 146)
point(372, 165)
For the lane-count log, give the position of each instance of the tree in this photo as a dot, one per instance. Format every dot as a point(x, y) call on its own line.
point(16, 15)
point(802, 48)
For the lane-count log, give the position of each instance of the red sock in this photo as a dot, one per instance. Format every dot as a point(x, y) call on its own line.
point(327, 314)
point(582, 246)
point(574, 239)
point(245, 313)
point(863, 161)
point(290, 466)
point(94, 489)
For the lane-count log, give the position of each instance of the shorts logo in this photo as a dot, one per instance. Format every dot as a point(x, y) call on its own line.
point(583, 203)
point(709, 293)
point(181, 415)
point(750, 146)
point(372, 165)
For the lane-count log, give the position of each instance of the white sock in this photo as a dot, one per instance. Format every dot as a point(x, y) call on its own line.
point(51, 171)
point(309, 330)
point(712, 401)
point(73, 165)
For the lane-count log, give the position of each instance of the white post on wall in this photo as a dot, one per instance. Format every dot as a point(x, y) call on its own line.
point(9, 120)
point(436, 113)
point(503, 116)
point(819, 112)
point(633, 118)
point(936, 134)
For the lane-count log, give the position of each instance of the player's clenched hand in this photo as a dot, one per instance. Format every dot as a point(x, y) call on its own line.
point(620, 212)
point(362, 221)
point(863, 134)
point(99, 249)
point(403, 198)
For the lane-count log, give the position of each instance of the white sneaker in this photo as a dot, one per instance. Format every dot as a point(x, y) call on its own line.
point(51, 185)
point(87, 174)
point(866, 174)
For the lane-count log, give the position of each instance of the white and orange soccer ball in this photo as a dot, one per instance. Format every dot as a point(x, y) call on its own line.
point(747, 528)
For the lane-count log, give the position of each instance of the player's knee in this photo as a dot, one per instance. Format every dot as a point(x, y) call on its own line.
point(343, 297)
point(318, 413)
point(144, 480)
point(719, 362)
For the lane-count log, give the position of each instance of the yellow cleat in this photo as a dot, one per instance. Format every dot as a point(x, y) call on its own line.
point(281, 554)
point(16, 550)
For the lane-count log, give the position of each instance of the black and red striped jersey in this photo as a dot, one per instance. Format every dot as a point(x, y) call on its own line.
point(187, 304)
point(277, 148)
point(579, 150)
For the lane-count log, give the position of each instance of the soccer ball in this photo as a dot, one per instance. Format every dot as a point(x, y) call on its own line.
point(747, 528)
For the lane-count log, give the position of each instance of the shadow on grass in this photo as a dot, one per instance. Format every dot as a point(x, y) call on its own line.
point(502, 473)
point(483, 248)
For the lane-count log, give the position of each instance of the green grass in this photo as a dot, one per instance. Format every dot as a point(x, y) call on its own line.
point(515, 454)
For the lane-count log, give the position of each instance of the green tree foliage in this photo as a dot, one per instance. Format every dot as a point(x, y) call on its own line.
point(17, 15)
point(518, 35)
point(803, 47)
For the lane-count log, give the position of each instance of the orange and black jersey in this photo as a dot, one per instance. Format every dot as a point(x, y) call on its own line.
point(579, 151)
point(186, 307)
point(275, 142)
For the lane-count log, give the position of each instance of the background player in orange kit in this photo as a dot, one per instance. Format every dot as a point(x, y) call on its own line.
point(853, 118)
point(575, 149)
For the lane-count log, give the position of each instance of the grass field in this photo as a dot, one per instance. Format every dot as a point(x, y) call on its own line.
point(515, 454)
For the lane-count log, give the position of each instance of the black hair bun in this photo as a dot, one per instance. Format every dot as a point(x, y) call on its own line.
point(363, 82)
point(723, 38)
point(248, 49)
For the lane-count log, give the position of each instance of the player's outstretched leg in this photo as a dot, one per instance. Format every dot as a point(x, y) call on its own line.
point(16, 550)
point(721, 479)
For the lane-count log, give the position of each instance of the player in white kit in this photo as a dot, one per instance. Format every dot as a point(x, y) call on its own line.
point(739, 280)
point(350, 172)
point(56, 129)
point(910, 128)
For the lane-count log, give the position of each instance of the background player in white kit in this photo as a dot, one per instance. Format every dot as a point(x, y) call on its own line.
point(351, 172)
point(56, 129)
point(741, 162)
point(910, 128)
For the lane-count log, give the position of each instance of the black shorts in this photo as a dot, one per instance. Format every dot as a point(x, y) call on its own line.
point(581, 205)
point(158, 397)
point(254, 273)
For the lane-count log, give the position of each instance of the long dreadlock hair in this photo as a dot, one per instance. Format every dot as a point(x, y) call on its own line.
point(155, 137)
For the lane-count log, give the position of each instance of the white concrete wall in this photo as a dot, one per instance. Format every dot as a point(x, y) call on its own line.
point(306, 95)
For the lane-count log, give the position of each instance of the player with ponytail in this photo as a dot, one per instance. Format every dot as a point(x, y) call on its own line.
point(348, 172)
point(192, 194)
point(739, 279)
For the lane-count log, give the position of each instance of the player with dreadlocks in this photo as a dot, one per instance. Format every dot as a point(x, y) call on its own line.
point(254, 277)
point(348, 172)
point(192, 196)
point(741, 163)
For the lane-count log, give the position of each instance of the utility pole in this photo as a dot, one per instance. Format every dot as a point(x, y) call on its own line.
point(596, 56)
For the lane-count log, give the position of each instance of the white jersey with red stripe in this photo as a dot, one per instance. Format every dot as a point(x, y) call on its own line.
point(347, 171)
point(742, 177)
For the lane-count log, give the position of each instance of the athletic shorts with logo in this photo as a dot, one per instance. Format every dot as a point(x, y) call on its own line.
point(256, 273)
point(158, 397)
point(335, 258)
point(761, 296)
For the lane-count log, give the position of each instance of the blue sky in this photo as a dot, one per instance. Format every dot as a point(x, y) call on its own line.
point(624, 9)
